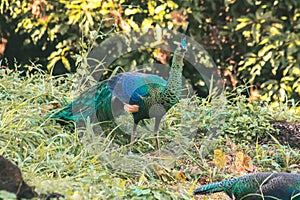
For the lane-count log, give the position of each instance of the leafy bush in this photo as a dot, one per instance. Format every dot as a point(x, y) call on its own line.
point(253, 42)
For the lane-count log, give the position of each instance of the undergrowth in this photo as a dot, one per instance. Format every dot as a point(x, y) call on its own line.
point(84, 163)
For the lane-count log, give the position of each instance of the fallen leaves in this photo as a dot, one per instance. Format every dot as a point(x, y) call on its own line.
point(243, 162)
point(219, 158)
point(236, 161)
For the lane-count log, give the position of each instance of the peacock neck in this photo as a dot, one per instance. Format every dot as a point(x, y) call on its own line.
point(174, 82)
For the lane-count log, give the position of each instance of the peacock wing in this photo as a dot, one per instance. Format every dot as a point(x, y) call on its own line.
point(131, 87)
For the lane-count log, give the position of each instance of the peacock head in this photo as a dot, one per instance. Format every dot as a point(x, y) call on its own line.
point(183, 46)
point(180, 52)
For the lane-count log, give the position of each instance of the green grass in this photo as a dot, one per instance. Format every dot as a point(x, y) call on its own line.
point(83, 164)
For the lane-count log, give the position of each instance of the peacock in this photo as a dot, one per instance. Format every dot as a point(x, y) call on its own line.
point(263, 185)
point(144, 95)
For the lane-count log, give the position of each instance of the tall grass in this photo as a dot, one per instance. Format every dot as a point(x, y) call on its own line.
point(82, 163)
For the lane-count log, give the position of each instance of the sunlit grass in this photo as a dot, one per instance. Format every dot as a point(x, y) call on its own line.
point(80, 162)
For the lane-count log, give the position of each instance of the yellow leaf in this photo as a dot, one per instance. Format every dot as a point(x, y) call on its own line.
point(160, 8)
point(296, 71)
point(256, 33)
point(179, 175)
point(243, 162)
point(134, 25)
point(66, 63)
point(268, 56)
point(243, 19)
point(249, 61)
point(247, 34)
point(248, 163)
point(264, 41)
point(122, 184)
point(132, 11)
point(265, 49)
point(274, 31)
point(239, 158)
point(219, 158)
point(151, 7)
point(147, 23)
point(243, 22)
point(172, 4)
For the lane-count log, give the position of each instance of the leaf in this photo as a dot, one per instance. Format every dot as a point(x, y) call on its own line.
point(134, 25)
point(230, 144)
point(160, 8)
point(242, 25)
point(264, 41)
point(265, 49)
point(140, 192)
point(219, 158)
point(132, 11)
point(243, 162)
point(151, 7)
point(268, 56)
point(147, 23)
point(249, 61)
point(52, 63)
point(256, 32)
point(172, 4)
point(7, 195)
point(296, 71)
point(239, 161)
point(274, 31)
point(179, 175)
point(66, 63)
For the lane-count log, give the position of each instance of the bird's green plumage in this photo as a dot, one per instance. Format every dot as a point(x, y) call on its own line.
point(282, 186)
point(96, 100)
point(154, 95)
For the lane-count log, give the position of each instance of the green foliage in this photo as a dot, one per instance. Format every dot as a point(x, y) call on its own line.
point(273, 62)
point(253, 42)
point(247, 121)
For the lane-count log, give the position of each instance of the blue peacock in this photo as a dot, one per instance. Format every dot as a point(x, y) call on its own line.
point(144, 95)
point(263, 185)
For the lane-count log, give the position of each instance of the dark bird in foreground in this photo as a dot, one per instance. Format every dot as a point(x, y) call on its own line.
point(11, 180)
point(263, 185)
point(144, 95)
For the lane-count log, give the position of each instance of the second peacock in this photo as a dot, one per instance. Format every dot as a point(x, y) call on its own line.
point(263, 185)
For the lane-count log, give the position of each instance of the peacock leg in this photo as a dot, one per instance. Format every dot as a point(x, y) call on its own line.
point(133, 134)
point(156, 132)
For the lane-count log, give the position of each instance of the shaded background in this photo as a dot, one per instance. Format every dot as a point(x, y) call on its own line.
point(253, 43)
